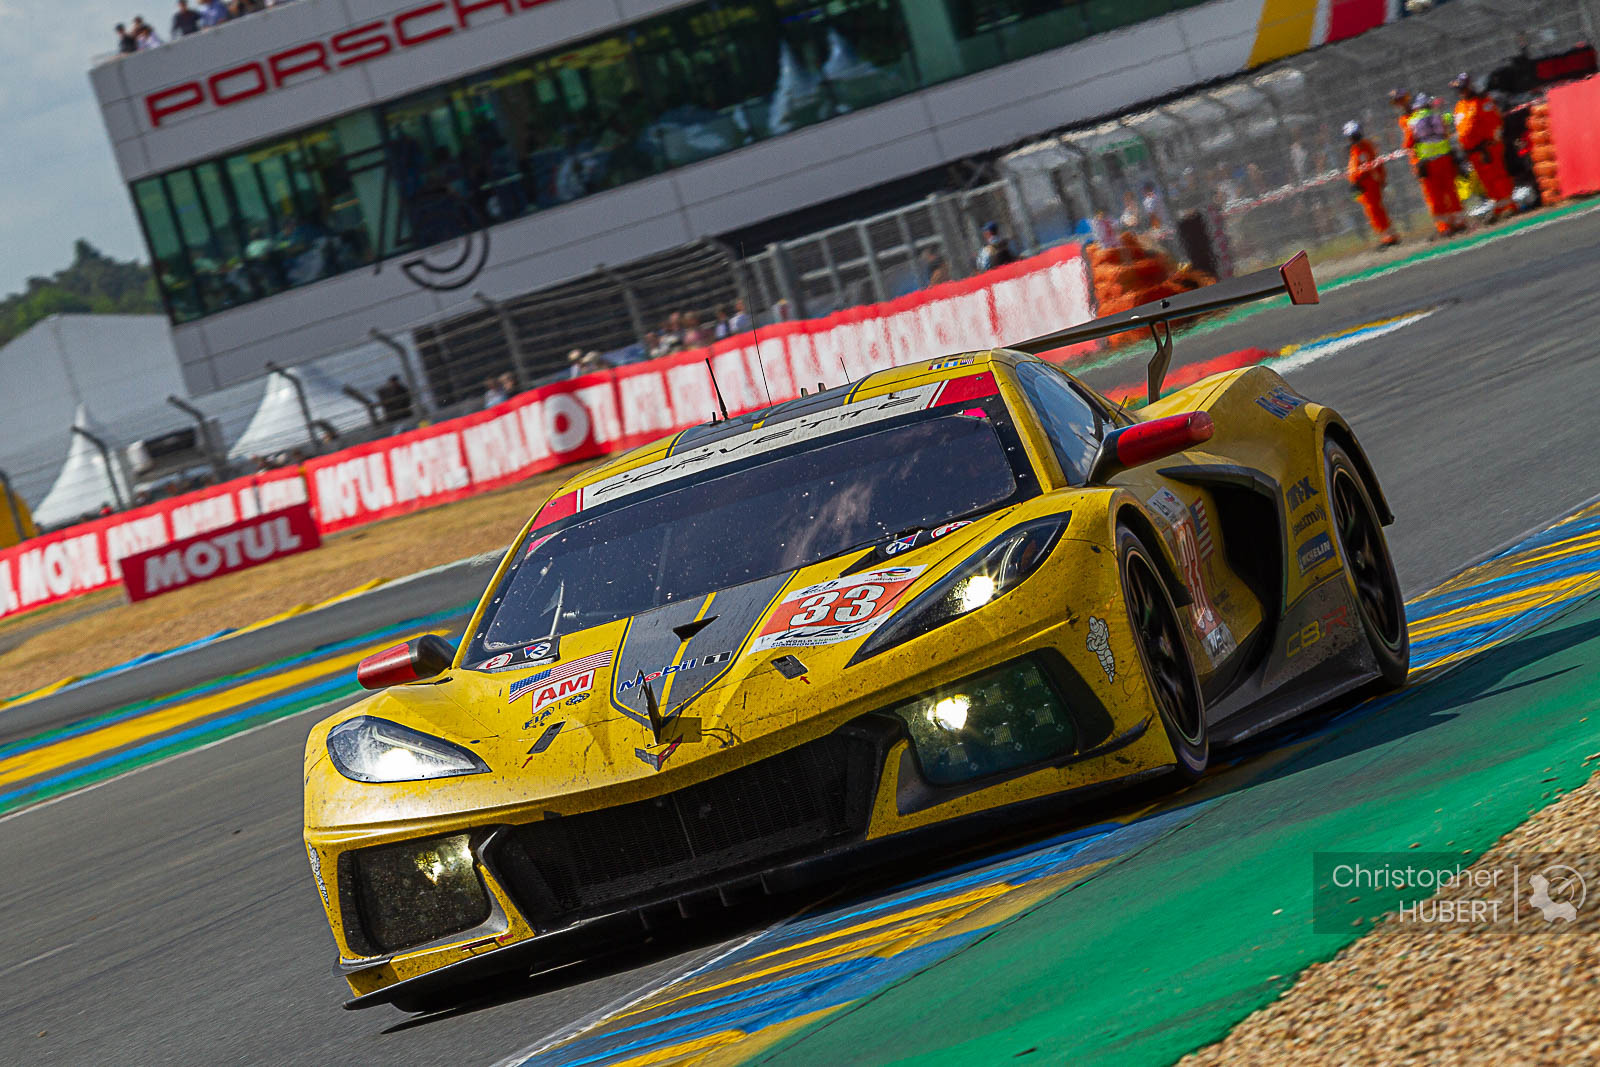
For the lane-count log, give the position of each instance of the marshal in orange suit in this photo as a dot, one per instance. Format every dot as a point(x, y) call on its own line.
point(1367, 177)
point(1478, 126)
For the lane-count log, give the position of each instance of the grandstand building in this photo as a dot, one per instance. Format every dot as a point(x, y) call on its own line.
point(328, 166)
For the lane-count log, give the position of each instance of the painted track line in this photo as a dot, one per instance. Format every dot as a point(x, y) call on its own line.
point(91, 787)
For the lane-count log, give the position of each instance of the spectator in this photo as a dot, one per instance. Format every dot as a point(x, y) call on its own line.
point(185, 21)
point(720, 329)
point(584, 362)
point(1104, 230)
point(934, 266)
point(997, 251)
point(493, 392)
point(508, 384)
point(740, 322)
point(126, 44)
point(213, 13)
point(395, 399)
point(1130, 212)
point(652, 344)
point(693, 335)
point(672, 333)
point(1299, 160)
point(1155, 213)
point(145, 35)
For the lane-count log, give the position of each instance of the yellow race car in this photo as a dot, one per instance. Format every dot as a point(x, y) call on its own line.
point(774, 646)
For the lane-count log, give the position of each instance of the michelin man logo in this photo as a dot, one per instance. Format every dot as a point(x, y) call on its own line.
point(1557, 893)
point(1100, 644)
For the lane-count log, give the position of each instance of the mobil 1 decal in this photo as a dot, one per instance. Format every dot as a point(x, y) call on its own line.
point(1189, 533)
point(676, 652)
point(832, 612)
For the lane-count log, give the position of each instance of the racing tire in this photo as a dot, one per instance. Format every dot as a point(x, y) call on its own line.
point(1158, 636)
point(1365, 554)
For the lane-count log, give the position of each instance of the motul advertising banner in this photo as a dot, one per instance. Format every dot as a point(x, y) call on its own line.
point(87, 557)
point(535, 431)
point(613, 410)
point(210, 555)
point(565, 422)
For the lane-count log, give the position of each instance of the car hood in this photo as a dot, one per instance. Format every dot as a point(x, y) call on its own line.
point(728, 673)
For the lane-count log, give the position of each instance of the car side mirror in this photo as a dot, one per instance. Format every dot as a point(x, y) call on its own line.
point(423, 657)
point(1146, 442)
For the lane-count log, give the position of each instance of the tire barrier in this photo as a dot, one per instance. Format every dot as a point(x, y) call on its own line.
point(1543, 152)
point(1131, 273)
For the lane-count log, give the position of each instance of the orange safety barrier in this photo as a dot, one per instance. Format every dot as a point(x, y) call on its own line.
point(1130, 273)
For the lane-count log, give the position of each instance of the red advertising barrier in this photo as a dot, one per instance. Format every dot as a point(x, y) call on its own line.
point(618, 409)
point(1576, 136)
point(84, 558)
point(238, 547)
point(573, 420)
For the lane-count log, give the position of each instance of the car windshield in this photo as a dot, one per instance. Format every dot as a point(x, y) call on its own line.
point(736, 524)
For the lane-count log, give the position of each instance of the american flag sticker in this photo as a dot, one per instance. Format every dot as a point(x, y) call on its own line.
point(1202, 528)
point(554, 675)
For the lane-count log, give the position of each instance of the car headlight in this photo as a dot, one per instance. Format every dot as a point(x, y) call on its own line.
point(995, 569)
point(368, 749)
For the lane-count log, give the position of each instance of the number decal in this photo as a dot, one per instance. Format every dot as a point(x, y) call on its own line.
point(816, 609)
point(864, 601)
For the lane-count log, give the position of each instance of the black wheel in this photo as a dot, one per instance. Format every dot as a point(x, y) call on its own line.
point(1365, 555)
point(1158, 635)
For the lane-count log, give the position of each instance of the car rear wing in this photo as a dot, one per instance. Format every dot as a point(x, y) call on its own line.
point(1293, 278)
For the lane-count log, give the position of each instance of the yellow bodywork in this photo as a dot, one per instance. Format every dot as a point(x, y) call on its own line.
point(754, 711)
point(16, 521)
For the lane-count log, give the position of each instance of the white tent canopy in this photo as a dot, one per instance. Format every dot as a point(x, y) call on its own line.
point(280, 423)
point(84, 485)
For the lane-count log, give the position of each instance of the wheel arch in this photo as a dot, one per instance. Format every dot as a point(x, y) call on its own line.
point(1136, 520)
point(1337, 431)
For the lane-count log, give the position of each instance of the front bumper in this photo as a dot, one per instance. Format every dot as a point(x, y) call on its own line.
point(570, 887)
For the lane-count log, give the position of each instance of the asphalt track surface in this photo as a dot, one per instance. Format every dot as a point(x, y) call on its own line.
point(167, 916)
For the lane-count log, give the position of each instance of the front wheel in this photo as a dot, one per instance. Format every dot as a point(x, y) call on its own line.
point(1158, 635)
point(1365, 554)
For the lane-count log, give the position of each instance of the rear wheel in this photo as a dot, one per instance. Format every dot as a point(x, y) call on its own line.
point(1365, 554)
point(1158, 636)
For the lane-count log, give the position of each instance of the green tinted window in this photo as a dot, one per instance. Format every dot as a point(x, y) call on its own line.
point(665, 92)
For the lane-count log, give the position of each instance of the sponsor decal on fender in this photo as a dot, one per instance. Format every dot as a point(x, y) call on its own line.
point(535, 653)
point(832, 612)
point(1280, 403)
point(1315, 552)
point(1299, 493)
point(1184, 524)
point(233, 548)
point(1306, 521)
point(1099, 642)
point(556, 684)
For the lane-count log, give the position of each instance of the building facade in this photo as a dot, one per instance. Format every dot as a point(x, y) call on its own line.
point(326, 167)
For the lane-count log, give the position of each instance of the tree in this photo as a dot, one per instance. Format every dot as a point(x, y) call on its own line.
point(94, 283)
